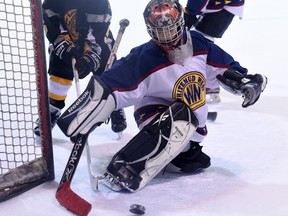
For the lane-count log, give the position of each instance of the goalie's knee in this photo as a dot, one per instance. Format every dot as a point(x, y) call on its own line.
point(90, 109)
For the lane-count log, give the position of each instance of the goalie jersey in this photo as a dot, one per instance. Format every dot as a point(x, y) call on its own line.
point(147, 77)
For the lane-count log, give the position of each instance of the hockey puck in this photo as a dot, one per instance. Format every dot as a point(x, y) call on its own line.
point(212, 116)
point(137, 209)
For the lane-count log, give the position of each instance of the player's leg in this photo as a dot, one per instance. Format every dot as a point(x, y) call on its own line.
point(152, 148)
point(118, 121)
point(60, 81)
point(189, 161)
point(214, 24)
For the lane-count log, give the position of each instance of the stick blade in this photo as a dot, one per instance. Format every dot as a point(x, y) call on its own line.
point(71, 201)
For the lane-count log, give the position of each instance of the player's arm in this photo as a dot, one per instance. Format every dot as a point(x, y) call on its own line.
point(99, 19)
point(97, 49)
point(52, 22)
point(192, 10)
point(56, 33)
point(235, 78)
point(250, 86)
point(196, 7)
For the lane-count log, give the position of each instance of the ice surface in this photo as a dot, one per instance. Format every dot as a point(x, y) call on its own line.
point(248, 147)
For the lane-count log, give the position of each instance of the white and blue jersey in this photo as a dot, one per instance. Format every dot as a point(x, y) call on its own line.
point(146, 78)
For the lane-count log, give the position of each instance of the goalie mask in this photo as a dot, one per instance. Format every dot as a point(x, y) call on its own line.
point(164, 22)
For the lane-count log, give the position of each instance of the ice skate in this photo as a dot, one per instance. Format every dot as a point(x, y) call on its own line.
point(118, 122)
point(213, 96)
point(54, 116)
point(190, 161)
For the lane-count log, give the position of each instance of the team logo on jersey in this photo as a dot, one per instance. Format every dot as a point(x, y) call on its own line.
point(191, 89)
point(70, 21)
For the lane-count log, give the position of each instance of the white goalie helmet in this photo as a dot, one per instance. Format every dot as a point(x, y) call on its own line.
point(164, 21)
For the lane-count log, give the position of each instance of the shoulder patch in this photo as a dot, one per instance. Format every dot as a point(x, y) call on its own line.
point(191, 89)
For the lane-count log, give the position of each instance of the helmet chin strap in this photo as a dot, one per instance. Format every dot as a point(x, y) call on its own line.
point(182, 52)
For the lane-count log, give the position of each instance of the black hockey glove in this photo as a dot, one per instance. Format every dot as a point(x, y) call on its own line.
point(190, 20)
point(65, 49)
point(252, 89)
point(249, 86)
point(90, 61)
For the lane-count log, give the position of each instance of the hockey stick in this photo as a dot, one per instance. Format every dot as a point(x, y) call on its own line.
point(123, 24)
point(92, 177)
point(64, 194)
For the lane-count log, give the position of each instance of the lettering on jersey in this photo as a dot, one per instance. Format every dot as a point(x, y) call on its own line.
point(191, 89)
point(70, 21)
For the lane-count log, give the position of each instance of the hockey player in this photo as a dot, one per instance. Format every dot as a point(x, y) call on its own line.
point(165, 79)
point(212, 18)
point(79, 30)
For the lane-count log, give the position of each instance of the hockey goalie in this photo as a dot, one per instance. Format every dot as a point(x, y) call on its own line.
point(165, 79)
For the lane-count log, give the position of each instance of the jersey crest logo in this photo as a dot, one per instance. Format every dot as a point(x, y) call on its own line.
point(70, 22)
point(191, 89)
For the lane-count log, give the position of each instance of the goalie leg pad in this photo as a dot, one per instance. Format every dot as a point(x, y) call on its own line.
point(153, 147)
point(90, 110)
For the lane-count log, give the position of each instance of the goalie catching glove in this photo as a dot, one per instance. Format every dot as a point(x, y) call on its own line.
point(249, 86)
point(90, 61)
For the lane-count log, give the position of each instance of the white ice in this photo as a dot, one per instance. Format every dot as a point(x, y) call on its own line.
point(248, 147)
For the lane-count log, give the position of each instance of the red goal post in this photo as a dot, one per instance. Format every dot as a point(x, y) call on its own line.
point(25, 160)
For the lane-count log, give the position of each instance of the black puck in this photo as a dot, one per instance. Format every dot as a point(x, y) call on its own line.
point(212, 116)
point(137, 209)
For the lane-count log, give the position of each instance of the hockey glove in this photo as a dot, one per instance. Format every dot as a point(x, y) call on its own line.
point(90, 61)
point(252, 89)
point(190, 20)
point(65, 49)
point(249, 86)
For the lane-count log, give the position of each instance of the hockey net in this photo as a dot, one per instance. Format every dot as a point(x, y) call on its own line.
point(25, 160)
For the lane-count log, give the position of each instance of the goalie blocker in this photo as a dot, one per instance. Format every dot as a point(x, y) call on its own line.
point(90, 110)
point(151, 149)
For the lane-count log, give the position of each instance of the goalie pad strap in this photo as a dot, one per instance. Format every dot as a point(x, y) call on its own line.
point(153, 147)
point(90, 110)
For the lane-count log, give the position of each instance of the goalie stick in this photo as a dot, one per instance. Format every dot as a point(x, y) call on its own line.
point(64, 194)
point(93, 178)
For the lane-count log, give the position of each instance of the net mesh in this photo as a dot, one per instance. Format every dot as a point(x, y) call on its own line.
point(18, 87)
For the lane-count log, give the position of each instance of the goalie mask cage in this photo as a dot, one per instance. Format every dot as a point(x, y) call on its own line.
point(25, 160)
